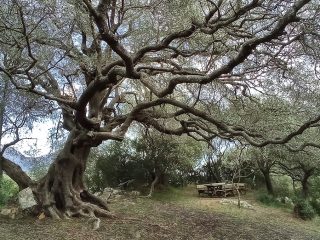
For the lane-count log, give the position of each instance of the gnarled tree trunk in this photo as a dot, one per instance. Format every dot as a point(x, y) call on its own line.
point(62, 192)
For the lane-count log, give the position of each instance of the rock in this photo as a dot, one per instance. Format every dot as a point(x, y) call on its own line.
point(117, 196)
point(243, 204)
point(108, 189)
point(288, 201)
point(106, 195)
point(226, 201)
point(9, 212)
point(117, 192)
point(97, 194)
point(134, 193)
point(26, 199)
point(279, 199)
point(110, 193)
point(246, 205)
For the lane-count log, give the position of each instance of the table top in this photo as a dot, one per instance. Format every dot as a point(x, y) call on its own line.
point(214, 184)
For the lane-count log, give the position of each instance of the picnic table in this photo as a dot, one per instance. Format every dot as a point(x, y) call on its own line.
point(221, 189)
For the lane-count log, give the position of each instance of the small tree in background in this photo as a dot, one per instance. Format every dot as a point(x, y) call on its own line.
point(238, 167)
point(151, 158)
point(300, 166)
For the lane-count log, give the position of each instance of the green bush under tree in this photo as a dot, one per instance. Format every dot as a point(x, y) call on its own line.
point(8, 189)
point(304, 210)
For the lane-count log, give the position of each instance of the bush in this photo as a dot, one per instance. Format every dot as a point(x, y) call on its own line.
point(315, 203)
point(304, 210)
point(8, 189)
point(282, 186)
point(315, 187)
point(266, 199)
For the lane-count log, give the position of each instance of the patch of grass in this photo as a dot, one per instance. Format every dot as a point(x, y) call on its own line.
point(172, 194)
point(275, 214)
point(172, 214)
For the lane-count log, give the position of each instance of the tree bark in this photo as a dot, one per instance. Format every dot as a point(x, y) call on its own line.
point(154, 182)
point(15, 172)
point(2, 112)
point(293, 185)
point(62, 193)
point(268, 182)
point(305, 183)
point(305, 188)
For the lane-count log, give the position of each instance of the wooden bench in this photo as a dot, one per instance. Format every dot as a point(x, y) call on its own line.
point(221, 189)
point(202, 189)
point(231, 189)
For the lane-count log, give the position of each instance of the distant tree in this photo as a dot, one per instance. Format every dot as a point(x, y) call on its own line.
point(213, 160)
point(264, 160)
point(113, 164)
point(236, 166)
point(164, 155)
point(151, 158)
point(301, 166)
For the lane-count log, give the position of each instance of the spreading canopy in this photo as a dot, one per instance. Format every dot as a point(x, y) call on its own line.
point(110, 63)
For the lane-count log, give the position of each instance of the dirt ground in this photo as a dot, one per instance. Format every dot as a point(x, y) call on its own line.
point(192, 218)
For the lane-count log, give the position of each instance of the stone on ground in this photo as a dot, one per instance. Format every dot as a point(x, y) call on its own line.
point(26, 199)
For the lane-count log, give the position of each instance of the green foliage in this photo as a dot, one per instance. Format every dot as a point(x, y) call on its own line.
point(282, 185)
point(141, 159)
point(38, 171)
point(112, 165)
point(315, 187)
point(315, 203)
point(272, 201)
point(267, 115)
point(304, 210)
point(8, 189)
point(266, 199)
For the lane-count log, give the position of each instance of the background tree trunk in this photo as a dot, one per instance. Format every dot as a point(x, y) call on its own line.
point(305, 185)
point(267, 180)
point(154, 182)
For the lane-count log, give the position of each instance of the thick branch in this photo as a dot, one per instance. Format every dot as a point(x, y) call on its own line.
point(15, 172)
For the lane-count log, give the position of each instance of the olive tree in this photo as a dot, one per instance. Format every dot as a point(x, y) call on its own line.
point(176, 66)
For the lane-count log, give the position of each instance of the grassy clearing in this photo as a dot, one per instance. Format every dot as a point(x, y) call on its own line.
point(173, 214)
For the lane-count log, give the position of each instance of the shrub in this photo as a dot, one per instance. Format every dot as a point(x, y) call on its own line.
point(315, 187)
point(8, 189)
point(304, 210)
point(266, 199)
point(315, 203)
point(282, 186)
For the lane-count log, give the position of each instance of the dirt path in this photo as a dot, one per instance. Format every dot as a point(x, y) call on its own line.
point(149, 219)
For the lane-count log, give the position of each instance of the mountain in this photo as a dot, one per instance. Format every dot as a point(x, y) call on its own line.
point(28, 163)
